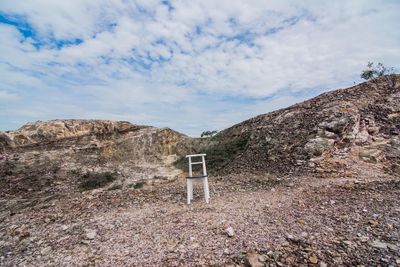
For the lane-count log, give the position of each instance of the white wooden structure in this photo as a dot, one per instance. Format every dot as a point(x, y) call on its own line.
point(203, 177)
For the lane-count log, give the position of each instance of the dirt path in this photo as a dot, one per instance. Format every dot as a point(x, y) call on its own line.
point(292, 221)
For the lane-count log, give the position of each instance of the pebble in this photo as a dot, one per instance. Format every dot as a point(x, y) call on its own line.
point(378, 244)
point(384, 260)
point(230, 232)
point(373, 222)
point(313, 259)
point(91, 234)
point(254, 260)
point(45, 251)
point(348, 243)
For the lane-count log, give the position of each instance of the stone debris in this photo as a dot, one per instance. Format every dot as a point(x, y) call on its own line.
point(91, 234)
point(379, 244)
point(155, 230)
point(313, 259)
point(254, 260)
point(45, 251)
point(229, 231)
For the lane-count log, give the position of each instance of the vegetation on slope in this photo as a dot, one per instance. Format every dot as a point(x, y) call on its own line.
point(219, 149)
point(97, 180)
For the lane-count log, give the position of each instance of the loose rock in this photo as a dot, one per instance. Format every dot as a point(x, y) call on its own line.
point(229, 231)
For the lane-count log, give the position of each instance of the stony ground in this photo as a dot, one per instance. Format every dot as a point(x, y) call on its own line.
point(251, 220)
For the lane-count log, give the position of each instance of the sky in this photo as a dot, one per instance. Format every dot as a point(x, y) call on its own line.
point(188, 65)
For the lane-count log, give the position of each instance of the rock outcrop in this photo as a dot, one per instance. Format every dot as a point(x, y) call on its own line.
point(47, 131)
point(63, 151)
point(333, 132)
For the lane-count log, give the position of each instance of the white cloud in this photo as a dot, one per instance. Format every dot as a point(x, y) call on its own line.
point(140, 60)
point(7, 96)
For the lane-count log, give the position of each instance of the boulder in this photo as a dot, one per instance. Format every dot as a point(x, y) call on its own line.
point(371, 155)
point(315, 147)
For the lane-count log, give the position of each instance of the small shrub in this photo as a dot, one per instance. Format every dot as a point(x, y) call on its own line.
point(116, 187)
point(96, 180)
point(75, 172)
point(219, 154)
point(138, 185)
point(208, 133)
point(377, 71)
point(55, 167)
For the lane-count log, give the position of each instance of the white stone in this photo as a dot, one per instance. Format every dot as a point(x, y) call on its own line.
point(91, 234)
point(45, 251)
point(230, 232)
point(378, 244)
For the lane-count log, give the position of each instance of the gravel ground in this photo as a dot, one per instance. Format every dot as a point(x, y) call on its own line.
point(251, 220)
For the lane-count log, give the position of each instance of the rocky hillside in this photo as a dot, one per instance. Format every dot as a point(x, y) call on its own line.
point(48, 131)
point(335, 132)
point(338, 132)
point(61, 153)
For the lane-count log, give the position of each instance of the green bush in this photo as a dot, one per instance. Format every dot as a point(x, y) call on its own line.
point(208, 133)
point(219, 153)
point(377, 71)
point(96, 180)
point(136, 185)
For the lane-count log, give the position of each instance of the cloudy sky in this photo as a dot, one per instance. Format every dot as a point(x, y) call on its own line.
point(189, 65)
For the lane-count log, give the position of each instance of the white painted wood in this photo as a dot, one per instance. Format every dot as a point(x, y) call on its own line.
point(188, 192)
point(190, 167)
point(195, 155)
point(203, 160)
point(191, 190)
point(204, 179)
point(206, 190)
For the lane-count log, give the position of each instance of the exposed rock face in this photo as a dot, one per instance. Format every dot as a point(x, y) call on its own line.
point(59, 152)
point(44, 131)
point(329, 133)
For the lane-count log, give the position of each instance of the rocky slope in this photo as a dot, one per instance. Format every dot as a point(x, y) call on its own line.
point(331, 133)
point(59, 153)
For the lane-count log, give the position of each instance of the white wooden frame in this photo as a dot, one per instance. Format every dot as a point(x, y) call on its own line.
point(203, 177)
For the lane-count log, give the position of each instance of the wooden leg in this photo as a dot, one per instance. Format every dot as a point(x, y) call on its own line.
point(206, 190)
point(188, 190)
point(191, 189)
point(190, 182)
